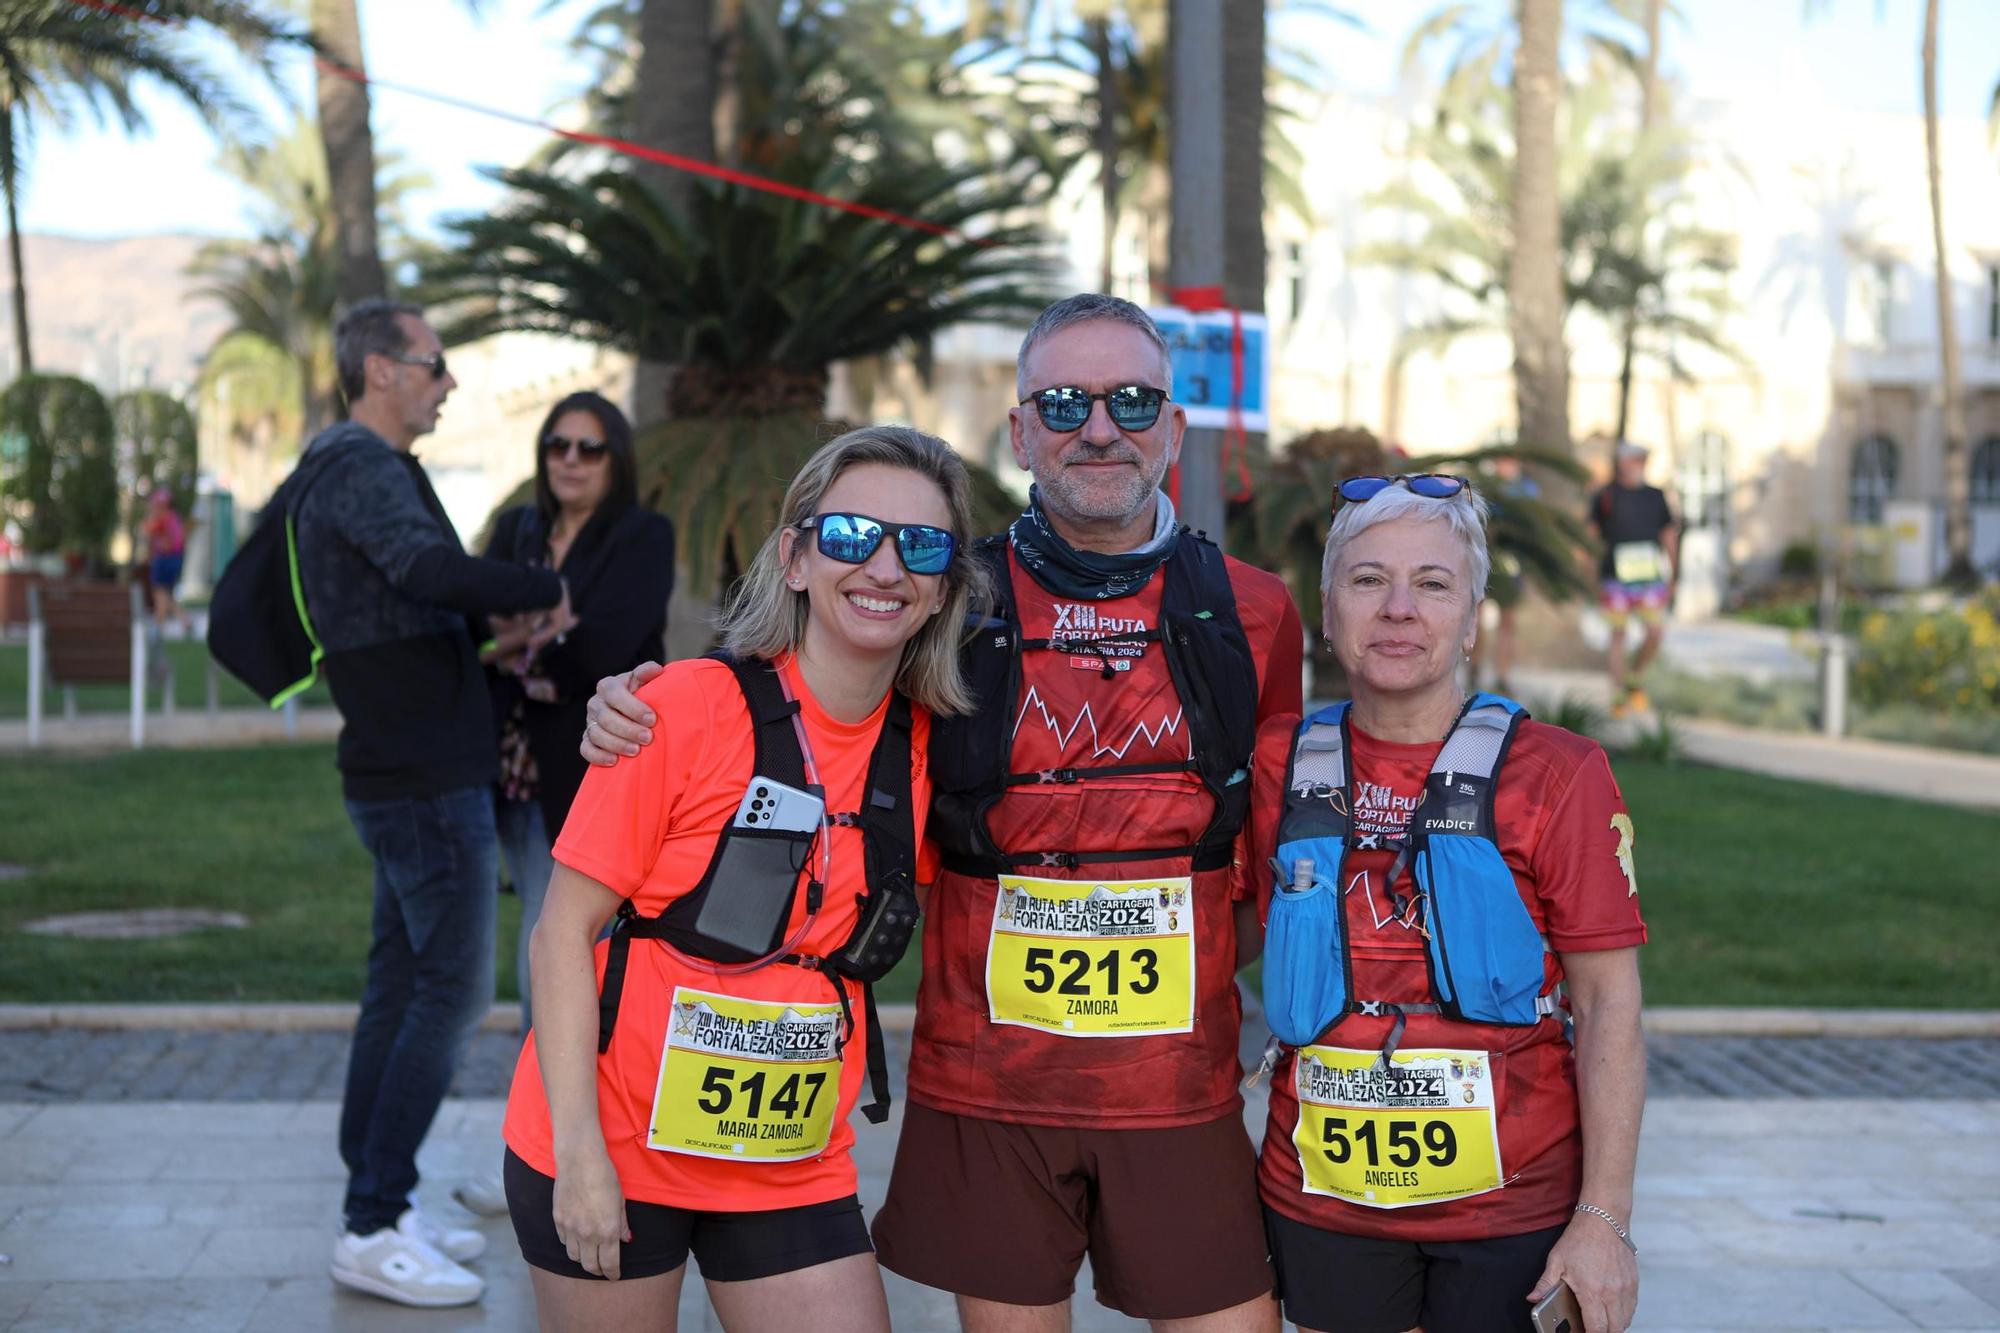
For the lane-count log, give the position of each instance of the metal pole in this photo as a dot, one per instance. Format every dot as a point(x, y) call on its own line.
point(1195, 245)
point(36, 648)
point(138, 672)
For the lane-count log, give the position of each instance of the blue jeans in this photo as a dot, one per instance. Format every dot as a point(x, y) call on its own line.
point(430, 982)
point(524, 843)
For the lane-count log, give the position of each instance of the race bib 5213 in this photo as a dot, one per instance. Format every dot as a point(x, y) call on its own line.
point(1089, 958)
point(1420, 1131)
point(747, 1080)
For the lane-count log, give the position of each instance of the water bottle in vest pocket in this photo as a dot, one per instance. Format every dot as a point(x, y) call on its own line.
point(1305, 969)
point(1486, 955)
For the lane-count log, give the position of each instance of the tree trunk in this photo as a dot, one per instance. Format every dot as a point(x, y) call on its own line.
point(1534, 277)
point(1649, 110)
point(1957, 473)
point(674, 107)
point(1244, 255)
point(1195, 116)
point(1107, 144)
point(350, 152)
point(10, 183)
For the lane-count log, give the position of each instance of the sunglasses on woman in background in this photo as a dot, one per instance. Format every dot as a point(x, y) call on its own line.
point(556, 446)
point(853, 538)
point(1431, 485)
point(1066, 407)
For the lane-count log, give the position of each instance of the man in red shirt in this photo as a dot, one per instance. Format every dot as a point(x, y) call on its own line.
point(1074, 1072)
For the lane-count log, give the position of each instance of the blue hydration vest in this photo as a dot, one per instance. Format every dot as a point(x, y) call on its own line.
point(1483, 953)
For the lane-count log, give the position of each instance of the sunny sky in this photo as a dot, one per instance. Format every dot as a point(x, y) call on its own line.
point(100, 183)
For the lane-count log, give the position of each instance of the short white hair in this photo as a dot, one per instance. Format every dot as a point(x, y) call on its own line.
point(1464, 513)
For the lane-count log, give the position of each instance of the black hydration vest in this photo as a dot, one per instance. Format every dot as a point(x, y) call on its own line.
point(887, 822)
point(1208, 657)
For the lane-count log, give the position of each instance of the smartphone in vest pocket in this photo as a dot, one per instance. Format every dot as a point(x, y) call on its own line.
point(749, 899)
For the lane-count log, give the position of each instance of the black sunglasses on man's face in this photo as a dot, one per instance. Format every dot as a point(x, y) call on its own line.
point(435, 361)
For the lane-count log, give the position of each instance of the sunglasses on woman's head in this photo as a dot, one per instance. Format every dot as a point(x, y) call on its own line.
point(853, 538)
point(1066, 407)
point(556, 446)
point(1431, 485)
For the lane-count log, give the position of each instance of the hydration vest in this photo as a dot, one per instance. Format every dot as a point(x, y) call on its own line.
point(1482, 950)
point(1208, 658)
point(887, 821)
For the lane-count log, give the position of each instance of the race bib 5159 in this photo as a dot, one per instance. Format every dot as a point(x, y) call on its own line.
point(1089, 958)
point(747, 1080)
point(1420, 1131)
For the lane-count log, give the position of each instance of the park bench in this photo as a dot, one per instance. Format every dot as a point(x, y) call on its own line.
point(86, 632)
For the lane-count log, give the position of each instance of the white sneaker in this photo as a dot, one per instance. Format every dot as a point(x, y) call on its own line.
point(455, 1243)
point(485, 1195)
point(402, 1268)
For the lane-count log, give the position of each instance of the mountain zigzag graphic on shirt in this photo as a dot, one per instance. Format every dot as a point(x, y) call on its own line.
point(1168, 726)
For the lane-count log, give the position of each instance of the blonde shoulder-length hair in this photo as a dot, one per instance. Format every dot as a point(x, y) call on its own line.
point(767, 619)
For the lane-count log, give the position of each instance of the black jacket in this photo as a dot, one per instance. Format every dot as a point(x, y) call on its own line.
point(397, 604)
point(620, 571)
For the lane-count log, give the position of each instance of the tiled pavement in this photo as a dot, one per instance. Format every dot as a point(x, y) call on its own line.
point(153, 1181)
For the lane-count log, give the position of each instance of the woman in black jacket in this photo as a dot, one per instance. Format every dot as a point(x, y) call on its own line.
point(617, 557)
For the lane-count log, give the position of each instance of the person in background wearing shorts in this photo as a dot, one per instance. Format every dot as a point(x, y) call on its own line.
point(1074, 1073)
point(667, 1102)
point(1636, 573)
point(166, 544)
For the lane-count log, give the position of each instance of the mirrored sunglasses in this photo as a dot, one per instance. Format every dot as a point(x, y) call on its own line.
point(434, 362)
point(1433, 485)
point(556, 446)
point(853, 538)
point(1066, 407)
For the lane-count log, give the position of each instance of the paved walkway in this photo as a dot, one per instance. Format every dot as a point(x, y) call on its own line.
point(1770, 1195)
point(103, 733)
point(1951, 777)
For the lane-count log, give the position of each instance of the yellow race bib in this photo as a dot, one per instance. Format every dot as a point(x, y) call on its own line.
point(747, 1080)
point(1638, 562)
point(1084, 958)
point(1422, 1131)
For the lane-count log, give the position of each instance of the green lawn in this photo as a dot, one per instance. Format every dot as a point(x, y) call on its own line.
point(190, 686)
point(1758, 891)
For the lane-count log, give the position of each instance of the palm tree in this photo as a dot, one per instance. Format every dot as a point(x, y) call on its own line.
point(349, 145)
point(1957, 457)
point(1632, 252)
point(752, 296)
point(58, 60)
point(282, 288)
point(1534, 273)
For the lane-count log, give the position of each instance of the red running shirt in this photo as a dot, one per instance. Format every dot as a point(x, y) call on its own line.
point(1559, 814)
point(646, 829)
point(1071, 713)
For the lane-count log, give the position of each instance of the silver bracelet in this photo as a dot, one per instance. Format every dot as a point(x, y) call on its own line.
point(1610, 1221)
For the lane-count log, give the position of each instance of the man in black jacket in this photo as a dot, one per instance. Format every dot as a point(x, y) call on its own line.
point(399, 610)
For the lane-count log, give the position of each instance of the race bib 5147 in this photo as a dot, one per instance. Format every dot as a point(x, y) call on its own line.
point(1089, 958)
point(1420, 1131)
point(747, 1080)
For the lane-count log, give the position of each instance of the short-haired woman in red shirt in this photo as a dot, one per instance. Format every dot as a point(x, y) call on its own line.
point(714, 1122)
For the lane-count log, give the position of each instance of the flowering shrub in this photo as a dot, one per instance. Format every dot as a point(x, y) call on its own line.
point(1947, 660)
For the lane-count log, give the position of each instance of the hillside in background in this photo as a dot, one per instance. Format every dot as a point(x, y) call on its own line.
point(114, 312)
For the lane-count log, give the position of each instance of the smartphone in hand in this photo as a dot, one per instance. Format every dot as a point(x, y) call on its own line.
point(1558, 1312)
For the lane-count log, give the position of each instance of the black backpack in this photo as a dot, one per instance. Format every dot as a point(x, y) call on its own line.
point(258, 628)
